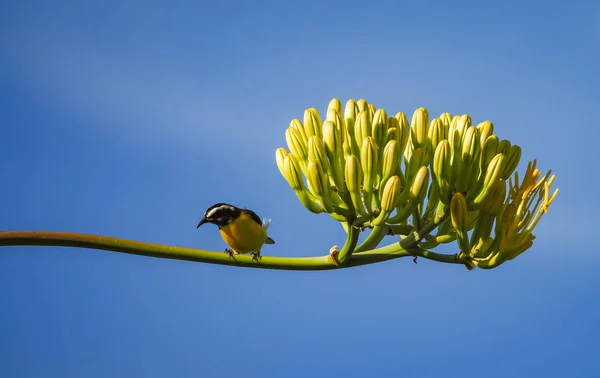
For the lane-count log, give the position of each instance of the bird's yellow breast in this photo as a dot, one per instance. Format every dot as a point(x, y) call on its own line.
point(244, 235)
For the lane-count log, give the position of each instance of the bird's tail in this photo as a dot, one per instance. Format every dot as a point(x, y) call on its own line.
point(266, 223)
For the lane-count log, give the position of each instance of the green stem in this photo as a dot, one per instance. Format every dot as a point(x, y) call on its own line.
point(349, 245)
point(416, 236)
point(374, 238)
point(452, 259)
point(401, 229)
point(395, 249)
point(180, 253)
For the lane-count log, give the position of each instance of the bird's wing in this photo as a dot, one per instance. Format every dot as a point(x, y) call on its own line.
point(253, 215)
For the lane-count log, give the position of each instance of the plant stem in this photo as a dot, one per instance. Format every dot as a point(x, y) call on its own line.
point(395, 249)
point(375, 237)
point(107, 243)
point(349, 245)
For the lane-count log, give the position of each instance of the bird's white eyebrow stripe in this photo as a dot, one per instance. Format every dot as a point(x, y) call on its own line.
point(213, 211)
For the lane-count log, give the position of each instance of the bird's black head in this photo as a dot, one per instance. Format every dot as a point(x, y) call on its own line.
point(220, 214)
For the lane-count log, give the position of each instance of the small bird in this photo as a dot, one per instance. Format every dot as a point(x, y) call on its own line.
point(241, 229)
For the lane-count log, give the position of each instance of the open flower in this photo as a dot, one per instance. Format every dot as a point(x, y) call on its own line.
point(521, 215)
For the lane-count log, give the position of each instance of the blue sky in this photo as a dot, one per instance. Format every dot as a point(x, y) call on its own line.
point(129, 118)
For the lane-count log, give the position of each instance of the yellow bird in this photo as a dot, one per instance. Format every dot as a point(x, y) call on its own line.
point(241, 229)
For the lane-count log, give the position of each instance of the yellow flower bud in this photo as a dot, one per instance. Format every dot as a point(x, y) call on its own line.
point(495, 199)
point(334, 105)
point(362, 105)
point(458, 211)
point(492, 174)
point(297, 145)
point(512, 161)
point(418, 128)
point(486, 130)
point(489, 149)
point(446, 119)
point(333, 149)
point(362, 127)
point(391, 191)
point(312, 123)
point(368, 160)
point(391, 160)
point(404, 129)
point(354, 179)
point(292, 172)
point(280, 155)
point(459, 217)
point(379, 128)
point(316, 153)
point(436, 133)
point(318, 184)
point(442, 169)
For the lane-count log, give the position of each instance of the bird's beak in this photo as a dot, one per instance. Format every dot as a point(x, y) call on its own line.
point(204, 220)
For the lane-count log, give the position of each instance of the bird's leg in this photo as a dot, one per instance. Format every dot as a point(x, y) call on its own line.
point(229, 252)
point(256, 256)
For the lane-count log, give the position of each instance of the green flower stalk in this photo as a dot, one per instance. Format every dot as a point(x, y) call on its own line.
point(417, 185)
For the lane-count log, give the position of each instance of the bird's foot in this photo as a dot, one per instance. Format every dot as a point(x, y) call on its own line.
point(229, 252)
point(256, 256)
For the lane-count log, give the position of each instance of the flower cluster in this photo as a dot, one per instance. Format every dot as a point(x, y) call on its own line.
point(367, 169)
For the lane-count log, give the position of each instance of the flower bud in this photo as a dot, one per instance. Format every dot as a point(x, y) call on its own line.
point(350, 110)
point(418, 128)
point(392, 132)
point(391, 160)
point(459, 216)
point(469, 158)
point(334, 106)
point(316, 153)
point(489, 149)
point(404, 130)
point(458, 211)
point(280, 155)
point(362, 105)
point(312, 123)
point(436, 133)
point(391, 191)
point(372, 110)
point(486, 130)
point(441, 170)
point(318, 184)
point(446, 119)
point(350, 113)
point(419, 185)
point(379, 128)
point(504, 147)
point(417, 160)
point(292, 173)
point(368, 160)
point(492, 174)
point(495, 199)
point(362, 127)
point(354, 179)
point(297, 145)
point(333, 149)
point(297, 125)
point(457, 130)
point(511, 162)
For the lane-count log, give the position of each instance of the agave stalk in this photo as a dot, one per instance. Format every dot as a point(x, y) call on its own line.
point(422, 184)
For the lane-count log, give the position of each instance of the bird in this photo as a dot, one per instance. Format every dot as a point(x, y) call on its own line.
point(241, 229)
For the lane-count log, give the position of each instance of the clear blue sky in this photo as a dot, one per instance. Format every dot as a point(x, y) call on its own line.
point(129, 118)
